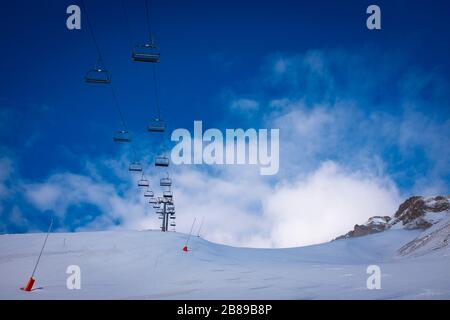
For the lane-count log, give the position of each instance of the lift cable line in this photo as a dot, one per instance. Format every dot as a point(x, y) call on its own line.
point(156, 90)
point(98, 74)
point(113, 91)
point(147, 16)
point(123, 135)
point(119, 110)
point(127, 23)
point(149, 52)
point(91, 30)
point(157, 125)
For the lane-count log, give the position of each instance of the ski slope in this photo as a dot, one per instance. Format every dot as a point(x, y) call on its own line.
point(151, 265)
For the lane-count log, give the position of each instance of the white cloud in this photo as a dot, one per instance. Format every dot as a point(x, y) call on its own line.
point(327, 204)
point(245, 209)
point(245, 105)
point(240, 206)
point(60, 191)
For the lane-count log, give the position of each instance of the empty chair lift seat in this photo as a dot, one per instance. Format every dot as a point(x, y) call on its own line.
point(147, 52)
point(143, 183)
point(165, 182)
point(98, 76)
point(148, 194)
point(135, 166)
point(122, 136)
point(156, 125)
point(162, 161)
point(167, 194)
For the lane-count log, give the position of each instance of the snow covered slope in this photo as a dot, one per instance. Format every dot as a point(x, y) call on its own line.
point(151, 265)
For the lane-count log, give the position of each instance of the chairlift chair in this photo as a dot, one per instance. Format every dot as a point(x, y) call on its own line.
point(98, 76)
point(157, 125)
point(159, 211)
point(173, 224)
point(165, 182)
point(162, 161)
point(147, 52)
point(148, 194)
point(153, 201)
point(172, 217)
point(155, 206)
point(168, 194)
point(143, 183)
point(122, 136)
point(135, 167)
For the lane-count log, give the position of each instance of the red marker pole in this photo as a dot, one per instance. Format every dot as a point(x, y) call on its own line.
point(185, 248)
point(31, 281)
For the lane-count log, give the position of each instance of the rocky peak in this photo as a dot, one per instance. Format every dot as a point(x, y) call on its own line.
point(415, 213)
point(373, 225)
point(416, 207)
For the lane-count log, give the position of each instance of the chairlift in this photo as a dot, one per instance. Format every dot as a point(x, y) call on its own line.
point(98, 76)
point(153, 201)
point(157, 125)
point(159, 211)
point(173, 224)
point(122, 136)
point(162, 161)
point(135, 167)
point(165, 182)
point(160, 218)
point(172, 217)
point(155, 206)
point(143, 182)
point(147, 52)
point(149, 194)
point(168, 194)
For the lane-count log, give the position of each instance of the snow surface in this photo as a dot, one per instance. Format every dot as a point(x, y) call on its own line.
point(151, 265)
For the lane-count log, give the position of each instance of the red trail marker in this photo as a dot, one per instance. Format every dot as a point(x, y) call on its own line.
point(185, 248)
point(31, 281)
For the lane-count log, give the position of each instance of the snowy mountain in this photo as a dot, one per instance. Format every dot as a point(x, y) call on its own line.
point(415, 213)
point(414, 263)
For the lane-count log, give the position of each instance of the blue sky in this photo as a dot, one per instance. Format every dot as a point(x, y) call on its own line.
point(350, 103)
